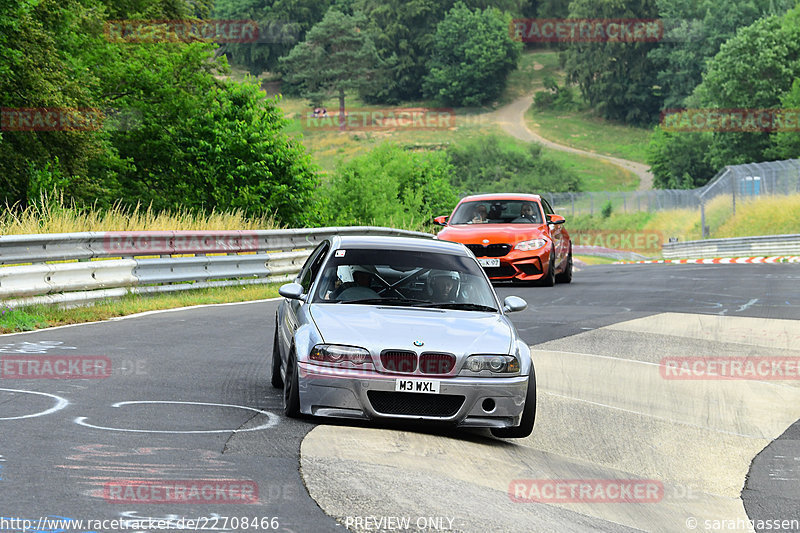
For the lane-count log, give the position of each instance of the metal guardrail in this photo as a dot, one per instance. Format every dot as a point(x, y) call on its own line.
point(73, 268)
point(766, 246)
point(620, 255)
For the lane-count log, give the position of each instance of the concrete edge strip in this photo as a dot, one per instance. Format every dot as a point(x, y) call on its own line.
point(718, 260)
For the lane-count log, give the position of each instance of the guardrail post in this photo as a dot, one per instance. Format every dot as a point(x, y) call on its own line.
point(703, 227)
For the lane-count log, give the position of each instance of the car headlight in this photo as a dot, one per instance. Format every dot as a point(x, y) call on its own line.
point(527, 246)
point(496, 364)
point(340, 355)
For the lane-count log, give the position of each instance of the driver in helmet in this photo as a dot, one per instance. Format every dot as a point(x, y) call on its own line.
point(444, 286)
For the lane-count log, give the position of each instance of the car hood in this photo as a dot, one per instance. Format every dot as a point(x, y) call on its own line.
point(495, 233)
point(382, 327)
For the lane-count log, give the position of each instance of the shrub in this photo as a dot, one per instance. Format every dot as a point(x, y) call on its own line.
point(389, 186)
point(488, 164)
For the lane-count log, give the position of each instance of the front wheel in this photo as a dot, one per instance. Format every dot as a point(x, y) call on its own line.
point(566, 276)
point(525, 426)
point(550, 279)
point(277, 380)
point(291, 389)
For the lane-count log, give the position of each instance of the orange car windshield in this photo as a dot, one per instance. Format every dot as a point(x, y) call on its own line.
point(498, 212)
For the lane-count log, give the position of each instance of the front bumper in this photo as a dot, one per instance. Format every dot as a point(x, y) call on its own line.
point(462, 401)
point(522, 266)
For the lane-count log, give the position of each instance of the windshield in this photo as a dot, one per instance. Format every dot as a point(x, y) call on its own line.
point(498, 212)
point(406, 278)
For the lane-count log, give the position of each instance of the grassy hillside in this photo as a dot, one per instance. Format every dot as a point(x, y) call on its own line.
point(327, 146)
point(578, 129)
point(532, 68)
point(584, 130)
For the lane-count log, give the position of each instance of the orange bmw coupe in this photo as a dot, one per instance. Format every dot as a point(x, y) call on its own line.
point(516, 237)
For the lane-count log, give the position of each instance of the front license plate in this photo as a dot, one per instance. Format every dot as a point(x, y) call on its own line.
point(489, 262)
point(429, 386)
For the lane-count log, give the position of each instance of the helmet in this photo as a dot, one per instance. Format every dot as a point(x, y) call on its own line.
point(444, 285)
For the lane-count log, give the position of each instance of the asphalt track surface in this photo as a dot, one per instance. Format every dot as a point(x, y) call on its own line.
point(188, 400)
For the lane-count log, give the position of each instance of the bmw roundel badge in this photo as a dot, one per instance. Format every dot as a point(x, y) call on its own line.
point(418, 343)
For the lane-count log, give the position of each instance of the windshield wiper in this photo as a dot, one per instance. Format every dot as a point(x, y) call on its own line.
point(462, 306)
point(386, 301)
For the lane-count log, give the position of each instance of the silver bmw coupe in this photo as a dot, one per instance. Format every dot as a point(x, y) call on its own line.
point(402, 328)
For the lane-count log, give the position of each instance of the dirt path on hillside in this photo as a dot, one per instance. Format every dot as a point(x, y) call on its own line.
point(512, 119)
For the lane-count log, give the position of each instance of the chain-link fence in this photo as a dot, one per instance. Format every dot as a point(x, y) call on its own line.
point(736, 181)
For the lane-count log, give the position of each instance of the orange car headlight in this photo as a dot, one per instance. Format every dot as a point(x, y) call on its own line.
point(527, 246)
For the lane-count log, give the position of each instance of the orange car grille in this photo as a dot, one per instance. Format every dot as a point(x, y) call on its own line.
point(490, 250)
point(503, 271)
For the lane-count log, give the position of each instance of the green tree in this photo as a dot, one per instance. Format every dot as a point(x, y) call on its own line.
point(616, 78)
point(402, 31)
point(752, 70)
point(472, 55)
point(403, 34)
point(158, 9)
point(176, 136)
point(490, 165)
point(203, 144)
point(43, 64)
point(282, 24)
point(694, 32)
point(337, 56)
point(389, 186)
point(678, 160)
point(786, 144)
point(545, 9)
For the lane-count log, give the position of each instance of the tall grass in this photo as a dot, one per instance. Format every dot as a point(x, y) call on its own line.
point(57, 215)
point(770, 215)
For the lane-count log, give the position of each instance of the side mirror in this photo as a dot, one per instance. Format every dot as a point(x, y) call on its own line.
point(440, 221)
point(555, 219)
point(293, 291)
point(513, 304)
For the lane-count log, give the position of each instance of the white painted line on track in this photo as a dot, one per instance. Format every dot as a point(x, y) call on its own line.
point(60, 404)
point(272, 422)
point(137, 315)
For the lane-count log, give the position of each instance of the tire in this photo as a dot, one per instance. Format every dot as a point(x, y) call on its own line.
point(566, 276)
point(291, 389)
point(277, 380)
point(550, 279)
point(525, 426)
